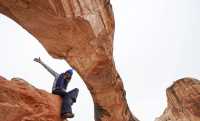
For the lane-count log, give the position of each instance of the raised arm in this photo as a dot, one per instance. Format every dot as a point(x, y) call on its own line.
point(55, 74)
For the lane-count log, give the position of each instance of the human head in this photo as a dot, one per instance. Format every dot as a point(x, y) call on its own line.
point(69, 74)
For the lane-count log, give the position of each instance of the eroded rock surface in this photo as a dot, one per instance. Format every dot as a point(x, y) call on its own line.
point(183, 101)
point(19, 101)
point(81, 32)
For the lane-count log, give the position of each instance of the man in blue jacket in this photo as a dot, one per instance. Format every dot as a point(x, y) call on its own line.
point(59, 88)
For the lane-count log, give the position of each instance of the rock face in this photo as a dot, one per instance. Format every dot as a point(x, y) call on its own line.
point(81, 32)
point(183, 101)
point(20, 101)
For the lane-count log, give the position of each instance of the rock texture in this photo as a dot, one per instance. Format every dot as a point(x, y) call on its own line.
point(20, 101)
point(81, 32)
point(183, 101)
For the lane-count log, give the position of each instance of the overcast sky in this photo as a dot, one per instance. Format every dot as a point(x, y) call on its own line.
point(156, 43)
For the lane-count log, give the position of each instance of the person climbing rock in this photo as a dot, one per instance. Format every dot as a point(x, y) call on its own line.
point(59, 88)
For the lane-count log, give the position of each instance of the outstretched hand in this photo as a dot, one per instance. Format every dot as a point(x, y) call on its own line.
point(37, 60)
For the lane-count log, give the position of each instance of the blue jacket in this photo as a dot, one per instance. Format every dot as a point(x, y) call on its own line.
point(60, 83)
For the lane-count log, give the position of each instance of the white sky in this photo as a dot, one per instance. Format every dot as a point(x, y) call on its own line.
point(156, 43)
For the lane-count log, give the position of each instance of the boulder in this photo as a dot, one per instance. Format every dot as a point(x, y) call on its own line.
point(183, 99)
point(19, 101)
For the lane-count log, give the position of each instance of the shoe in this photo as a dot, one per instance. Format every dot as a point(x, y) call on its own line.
point(67, 115)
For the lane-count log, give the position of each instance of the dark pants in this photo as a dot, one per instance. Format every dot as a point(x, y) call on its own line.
point(68, 99)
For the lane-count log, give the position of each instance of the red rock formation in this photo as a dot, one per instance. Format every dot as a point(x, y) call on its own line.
point(81, 32)
point(183, 101)
point(20, 101)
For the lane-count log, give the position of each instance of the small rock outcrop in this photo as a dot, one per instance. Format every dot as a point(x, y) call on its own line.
point(19, 101)
point(183, 101)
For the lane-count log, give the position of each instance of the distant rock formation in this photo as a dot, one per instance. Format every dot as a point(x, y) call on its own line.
point(19, 101)
point(183, 101)
point(81, 32)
